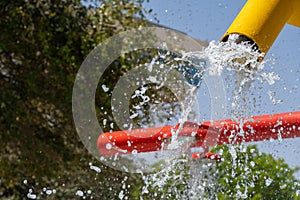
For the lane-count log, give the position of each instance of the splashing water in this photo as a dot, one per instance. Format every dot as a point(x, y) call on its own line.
point(240, 65)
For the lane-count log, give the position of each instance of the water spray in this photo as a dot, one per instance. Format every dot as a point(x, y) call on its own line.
point(258, 24)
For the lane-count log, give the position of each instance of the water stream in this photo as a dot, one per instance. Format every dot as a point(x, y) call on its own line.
point(185, 178)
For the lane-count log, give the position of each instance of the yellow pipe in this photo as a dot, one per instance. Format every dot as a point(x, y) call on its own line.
point(262, 20)
point(295, 17)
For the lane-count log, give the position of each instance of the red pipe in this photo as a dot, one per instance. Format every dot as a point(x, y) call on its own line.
point(258, 128)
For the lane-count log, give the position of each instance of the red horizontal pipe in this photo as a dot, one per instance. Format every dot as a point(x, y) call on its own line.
point(140, 140)
point(258, 128)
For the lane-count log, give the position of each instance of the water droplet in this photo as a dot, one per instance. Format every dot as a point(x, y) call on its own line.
point(133, 115)
point(268, 181)
point(48, 192)
point(79, 193)
point(105, 88)
point(30, 195)
point(95, 168)
point(108, 146)
point(134, 151)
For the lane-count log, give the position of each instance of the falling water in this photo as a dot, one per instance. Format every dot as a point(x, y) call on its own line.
point(185, 178)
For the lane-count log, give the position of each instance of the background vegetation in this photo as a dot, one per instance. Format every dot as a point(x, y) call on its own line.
point(42, 45)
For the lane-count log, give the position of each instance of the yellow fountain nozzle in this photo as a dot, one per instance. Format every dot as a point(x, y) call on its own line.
point(261, 21)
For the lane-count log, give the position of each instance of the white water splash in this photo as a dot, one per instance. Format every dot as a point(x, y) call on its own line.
point(239, 64)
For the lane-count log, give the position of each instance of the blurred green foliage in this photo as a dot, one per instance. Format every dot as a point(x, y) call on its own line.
point(243, 173)
point(254, 175)
point(42, 45)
